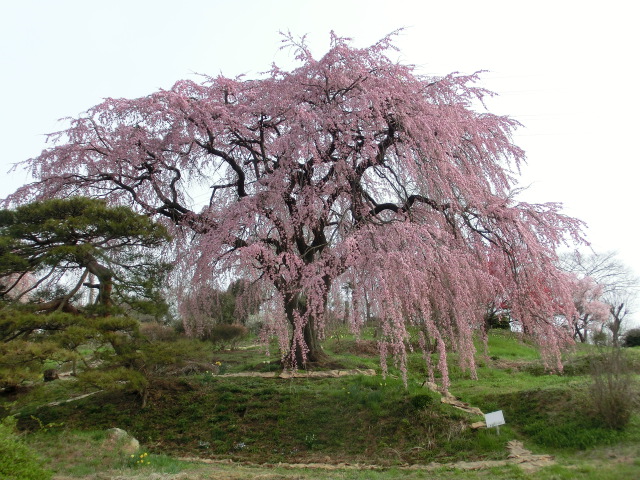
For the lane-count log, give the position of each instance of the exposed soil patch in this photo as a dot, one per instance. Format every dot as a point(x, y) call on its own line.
point(304, 373)
point(518, 455)
point(514, 365)
point(455, 402)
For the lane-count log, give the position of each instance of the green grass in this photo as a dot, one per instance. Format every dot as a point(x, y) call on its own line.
point(510, 345)
point(362, 419)
point(355, 418)
point(19, 461)
point(82, 453)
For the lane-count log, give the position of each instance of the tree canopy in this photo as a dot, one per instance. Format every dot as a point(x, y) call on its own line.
point(351, 168)
point(58, 243)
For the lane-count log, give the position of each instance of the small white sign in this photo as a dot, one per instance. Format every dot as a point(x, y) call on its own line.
point(494, 419)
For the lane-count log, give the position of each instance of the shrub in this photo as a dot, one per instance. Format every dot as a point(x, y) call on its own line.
point(632, 338)
point(613, 392)
point(578, 365)
point(500, 322)
point(17, 460)
point(422, 401)
point(600, 339)
point(224, 335)
point(155, 331)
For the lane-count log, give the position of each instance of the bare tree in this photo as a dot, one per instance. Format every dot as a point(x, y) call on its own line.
point(618, 282)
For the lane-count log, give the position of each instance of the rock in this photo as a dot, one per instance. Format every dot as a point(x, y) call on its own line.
point(119, 439)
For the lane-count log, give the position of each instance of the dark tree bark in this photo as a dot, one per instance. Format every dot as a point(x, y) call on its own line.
point(296, 304)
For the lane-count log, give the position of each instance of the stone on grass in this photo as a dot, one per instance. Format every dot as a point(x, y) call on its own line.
point(121, 440)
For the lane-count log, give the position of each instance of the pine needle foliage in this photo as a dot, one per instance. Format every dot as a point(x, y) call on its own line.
point(56, 244)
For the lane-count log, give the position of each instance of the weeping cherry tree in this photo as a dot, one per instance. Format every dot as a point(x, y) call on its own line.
point(350, 169)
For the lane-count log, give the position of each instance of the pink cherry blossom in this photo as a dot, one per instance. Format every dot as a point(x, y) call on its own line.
point(350, 169)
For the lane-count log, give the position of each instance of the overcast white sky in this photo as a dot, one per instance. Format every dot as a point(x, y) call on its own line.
point(567, 70)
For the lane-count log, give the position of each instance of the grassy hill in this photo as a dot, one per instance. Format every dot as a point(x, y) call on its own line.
point(368, 420)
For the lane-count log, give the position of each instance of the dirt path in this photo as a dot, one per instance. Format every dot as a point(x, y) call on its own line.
point(304, 374)
point(229, 470)
point(518, 455)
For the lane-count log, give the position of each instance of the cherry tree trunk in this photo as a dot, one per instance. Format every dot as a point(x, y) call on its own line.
point(296, 307)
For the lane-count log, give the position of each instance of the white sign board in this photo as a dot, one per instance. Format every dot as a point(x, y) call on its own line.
point(494, 419)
